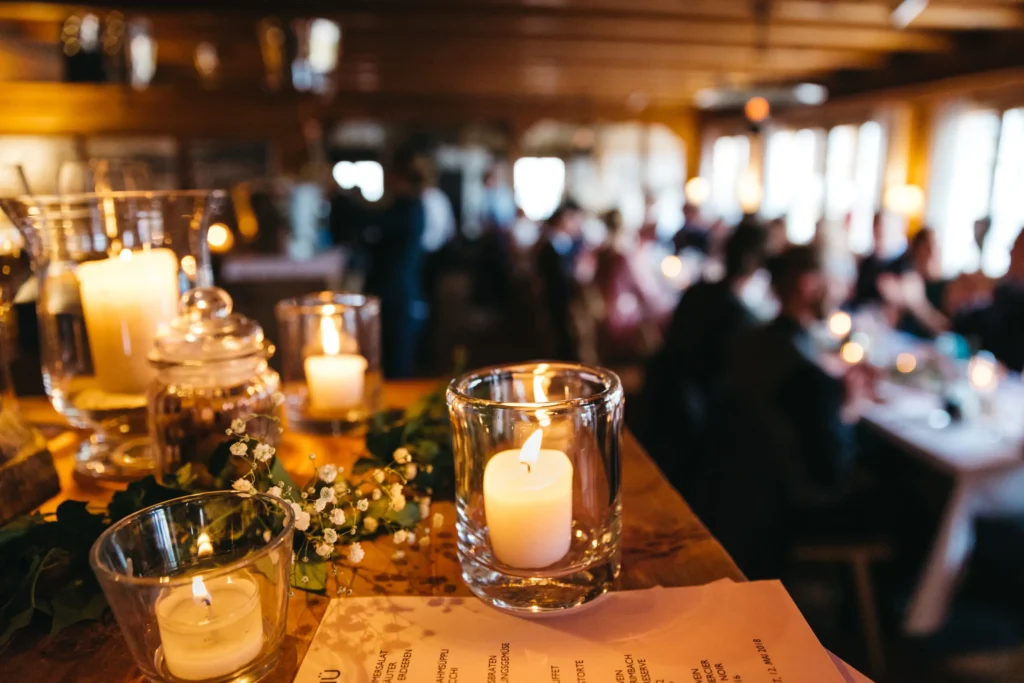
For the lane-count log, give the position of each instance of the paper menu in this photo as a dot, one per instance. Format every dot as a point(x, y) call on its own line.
point(719, 633)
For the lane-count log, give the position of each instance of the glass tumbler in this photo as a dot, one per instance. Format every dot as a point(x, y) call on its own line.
point(329, 346)
point(199, 585)
point(111, 268)
point(537, 476)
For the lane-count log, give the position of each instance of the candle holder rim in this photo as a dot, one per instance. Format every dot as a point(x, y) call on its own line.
point(313, 302)
point(99, 567)
point(458, 386)
point(72, 198)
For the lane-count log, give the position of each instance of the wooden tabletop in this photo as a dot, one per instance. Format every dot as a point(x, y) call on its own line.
point(663, 544)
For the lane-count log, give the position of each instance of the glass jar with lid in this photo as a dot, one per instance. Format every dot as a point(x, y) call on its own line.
point(212, 368)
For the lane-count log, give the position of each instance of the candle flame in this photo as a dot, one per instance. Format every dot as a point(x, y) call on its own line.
point(329, 338)
point(205, 549)
point(125, 255)
point(531, 449)
point(982, 373)
point(200, 595)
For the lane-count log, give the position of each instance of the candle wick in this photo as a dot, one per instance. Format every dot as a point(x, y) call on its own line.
point(528, 470)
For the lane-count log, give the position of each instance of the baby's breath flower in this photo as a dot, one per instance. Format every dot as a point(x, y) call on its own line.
point(320, 504)
point(425, 541)
point(428, 469)
point(238, 426)
point(438, 520)
point(401, 536)
point(363, 504)
point(396, 489)
point(263, 452)
point(398, 555)
point(370, 524)
point(356, 553)
point(337, 516)
point(238, 448)
point(243, 485)
point(324, 549)
point(328, 473)
point(375, 494)
point(274, 491)
point(301, 517)
point(330, 536)
point(410, 471)
point(398, 503)
point(304, 580)
point(327, 493)
point(312, 456)
point(424, 503)
point(411, 538)
point(341, 487)
point(402, 455)
point(378, 476)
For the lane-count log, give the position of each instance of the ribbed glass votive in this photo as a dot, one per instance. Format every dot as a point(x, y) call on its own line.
point(537, 467)
point(199, 585)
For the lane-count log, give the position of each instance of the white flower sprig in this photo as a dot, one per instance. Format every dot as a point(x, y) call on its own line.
point(334, 509)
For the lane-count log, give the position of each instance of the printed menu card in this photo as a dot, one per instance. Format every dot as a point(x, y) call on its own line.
point(723, 632)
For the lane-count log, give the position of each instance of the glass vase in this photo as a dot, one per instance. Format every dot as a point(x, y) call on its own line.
point(199, 585)
point(111, 268)
point(329, 345)
point(537, 470)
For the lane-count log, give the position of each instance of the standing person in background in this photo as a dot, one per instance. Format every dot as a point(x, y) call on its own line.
point(493, 273)
point(499, 203)
point(556, 268)
point(684, 380)
point(394, 239)
point(694, 234)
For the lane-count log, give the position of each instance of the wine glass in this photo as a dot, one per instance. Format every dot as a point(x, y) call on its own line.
point(16, 437)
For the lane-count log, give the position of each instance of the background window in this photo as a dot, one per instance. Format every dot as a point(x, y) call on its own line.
point(539, 183)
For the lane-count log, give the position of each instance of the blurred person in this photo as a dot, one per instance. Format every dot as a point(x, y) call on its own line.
point(787, 451)
point(998, 327)
point(922, 287)
point(394, 244)
point(778, 239)
point(684, 378)
point(694, 234)
point(872, 266)
point(557, 252)
point(498, 208)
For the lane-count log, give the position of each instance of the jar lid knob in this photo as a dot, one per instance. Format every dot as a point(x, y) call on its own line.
point(205, 303)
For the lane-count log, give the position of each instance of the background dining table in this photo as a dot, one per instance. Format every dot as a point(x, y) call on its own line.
point(663, 544)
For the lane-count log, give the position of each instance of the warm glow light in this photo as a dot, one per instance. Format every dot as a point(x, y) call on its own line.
point(906, 363)
point(697, 191)
point(200, 595)
point(839, 324)
point(219, 238)
point(329, 338)
point(852, 353)
point(531, 449)
point(750, 191)
point(204, 548)
point(757, 109)
point(671, 266)
point(905, 200)
point(981, 372)
point(125, 255)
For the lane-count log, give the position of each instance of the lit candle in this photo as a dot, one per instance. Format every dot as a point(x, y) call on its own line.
point(982, 372)
point(335, 379)
point(210, 630)
point(124, 300)
point(840, 324)
point(528, 504)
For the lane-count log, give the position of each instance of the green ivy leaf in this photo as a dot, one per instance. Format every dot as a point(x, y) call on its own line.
point(316, 572)
point(20, 527)
point(278, 474)
point(80, 601)
point(365, 464)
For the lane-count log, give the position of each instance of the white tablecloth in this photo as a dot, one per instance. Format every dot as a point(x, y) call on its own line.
point(984, 458)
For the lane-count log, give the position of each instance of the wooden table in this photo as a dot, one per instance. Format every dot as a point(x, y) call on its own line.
point(663, 544)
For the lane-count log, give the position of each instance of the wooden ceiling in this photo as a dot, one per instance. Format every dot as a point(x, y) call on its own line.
point(633, 53)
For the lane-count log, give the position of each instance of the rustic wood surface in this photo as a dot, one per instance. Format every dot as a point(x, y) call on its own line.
point(663, 544)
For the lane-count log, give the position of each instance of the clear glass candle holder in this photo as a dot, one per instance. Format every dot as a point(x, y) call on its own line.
point(329, 346)
point(111, 268)
point(537, 476)
point(199, 585)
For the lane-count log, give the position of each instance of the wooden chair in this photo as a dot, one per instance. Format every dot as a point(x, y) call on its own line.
point(860, 557)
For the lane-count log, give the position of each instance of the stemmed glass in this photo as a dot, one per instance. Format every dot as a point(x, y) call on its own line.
point(16, 437)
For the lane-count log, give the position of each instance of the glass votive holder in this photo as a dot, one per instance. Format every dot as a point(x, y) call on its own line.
point(329, 346)
point(199, 585)
point(538, 472)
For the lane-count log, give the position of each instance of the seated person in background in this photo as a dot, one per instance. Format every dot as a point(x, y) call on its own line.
point(684, 379)
point(872, 267)
point(694, 234)
point(923, 289)
point(786, 448)
point(778, 240)
point(999, 326)
point(557, 252)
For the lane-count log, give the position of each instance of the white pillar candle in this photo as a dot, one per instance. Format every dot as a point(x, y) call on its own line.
point(124, 300)
point(335, 379)
point(528, 505)
point(210, 630)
